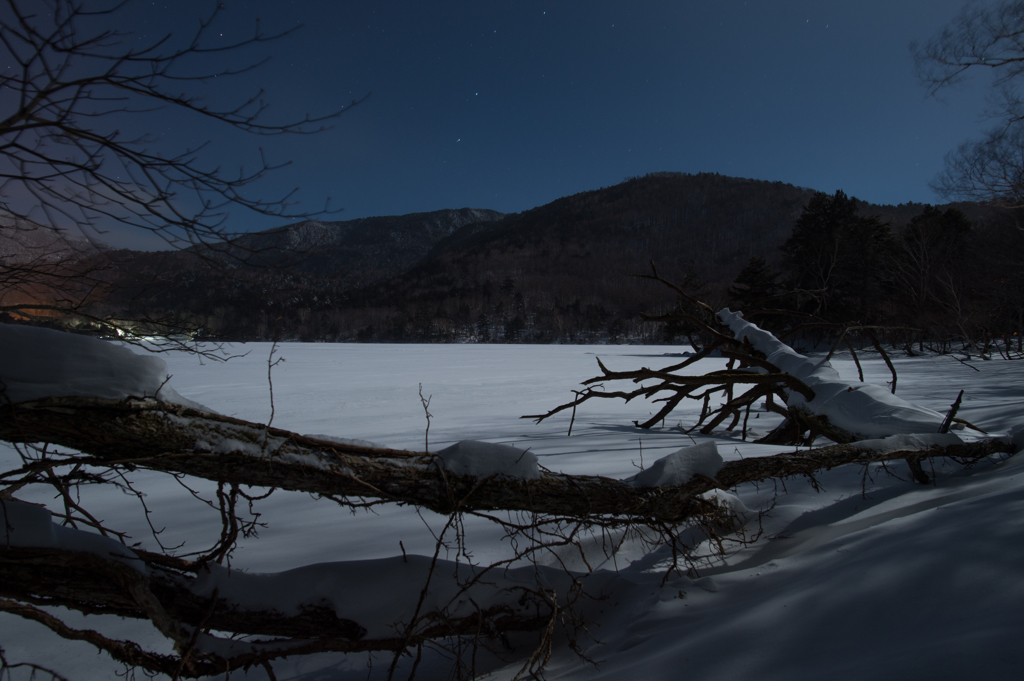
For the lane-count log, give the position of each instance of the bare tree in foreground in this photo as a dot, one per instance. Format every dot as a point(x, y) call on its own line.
point(982, 37)
point(75, 105)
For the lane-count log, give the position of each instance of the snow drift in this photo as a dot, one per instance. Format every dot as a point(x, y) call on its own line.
point(30, 525)
point(37, 363)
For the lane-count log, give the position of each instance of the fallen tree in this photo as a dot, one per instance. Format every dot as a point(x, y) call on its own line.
point(178, 439)
point(814, 401)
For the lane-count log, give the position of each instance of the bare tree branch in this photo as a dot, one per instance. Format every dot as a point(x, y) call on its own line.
point(70, 172)
point(182, 440)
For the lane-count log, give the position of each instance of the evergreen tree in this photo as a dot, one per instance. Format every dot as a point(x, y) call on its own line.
point(839, 258)
point(754, 286)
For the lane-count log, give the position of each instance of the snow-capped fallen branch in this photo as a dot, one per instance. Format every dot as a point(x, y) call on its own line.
point(682, 466)
point(179, 439)
point(808, 392)
point(859, 409)
point(770, 382)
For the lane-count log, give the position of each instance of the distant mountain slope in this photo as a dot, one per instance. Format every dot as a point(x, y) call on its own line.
point(44, 269)
point(707, 223)
point(362, 251)
point(567, 264)
point(725, 218)
point(558, 272)
point(262, 267)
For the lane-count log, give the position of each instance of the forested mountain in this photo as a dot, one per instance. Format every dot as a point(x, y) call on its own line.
point(356, 252)
point(557, 273)
point(562, 271)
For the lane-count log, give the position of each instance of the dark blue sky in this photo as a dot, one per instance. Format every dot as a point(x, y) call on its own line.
point(509, 105)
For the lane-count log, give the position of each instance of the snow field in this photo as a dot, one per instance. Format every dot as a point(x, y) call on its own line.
point(907, 582)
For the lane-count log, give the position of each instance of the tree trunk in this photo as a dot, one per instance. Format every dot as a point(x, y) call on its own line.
point(176, 439)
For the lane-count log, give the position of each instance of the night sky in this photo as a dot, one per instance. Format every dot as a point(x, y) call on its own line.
point(510, 105)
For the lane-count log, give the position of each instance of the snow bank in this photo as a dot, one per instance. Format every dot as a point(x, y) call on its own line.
point(861, 409)
point(381, 595)
point(680, 467)
point(483, 459)
point(28, 525)
point(37, 363)
point(377, 594)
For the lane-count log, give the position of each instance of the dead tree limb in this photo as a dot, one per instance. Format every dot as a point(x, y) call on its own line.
point(677, 387)
point(177, 439)
point(951, 414)
point(747, 366)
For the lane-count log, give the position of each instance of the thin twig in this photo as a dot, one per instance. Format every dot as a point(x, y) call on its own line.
point(425, 401)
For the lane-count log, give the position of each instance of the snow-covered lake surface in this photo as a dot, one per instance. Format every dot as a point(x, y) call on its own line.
point(871, 576)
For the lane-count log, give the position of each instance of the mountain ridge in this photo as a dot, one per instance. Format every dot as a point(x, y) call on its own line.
point(557, 272)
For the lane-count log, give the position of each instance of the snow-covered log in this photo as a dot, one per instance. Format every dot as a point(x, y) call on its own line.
point(861, 409)
point(808, 392)
point(180, 439)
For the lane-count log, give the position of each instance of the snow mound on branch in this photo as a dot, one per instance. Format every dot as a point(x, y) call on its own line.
point(897, 443)
point(680, 466)
point(484, 459)
point(862, 409)
point(29, 525)
point(37, 363)
point(732, 502)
